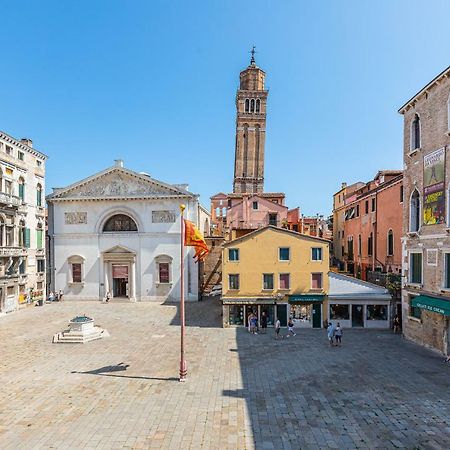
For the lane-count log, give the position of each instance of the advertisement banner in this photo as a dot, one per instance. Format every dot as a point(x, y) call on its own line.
point(434, 187)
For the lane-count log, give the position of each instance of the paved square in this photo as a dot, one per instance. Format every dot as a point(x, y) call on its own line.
point(243, 391)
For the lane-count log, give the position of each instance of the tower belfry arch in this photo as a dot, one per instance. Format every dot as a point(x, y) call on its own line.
point(251, 101)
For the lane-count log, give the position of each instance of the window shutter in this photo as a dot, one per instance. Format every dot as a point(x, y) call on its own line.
point(27, 237)
point(39, 239)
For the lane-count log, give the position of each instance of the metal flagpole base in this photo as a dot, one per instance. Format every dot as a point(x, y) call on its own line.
point(183, 371)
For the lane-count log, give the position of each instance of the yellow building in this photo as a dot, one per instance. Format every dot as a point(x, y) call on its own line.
point(277, 271)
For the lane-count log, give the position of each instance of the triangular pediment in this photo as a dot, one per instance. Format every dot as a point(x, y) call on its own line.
point(118, 183)
point(119, 249)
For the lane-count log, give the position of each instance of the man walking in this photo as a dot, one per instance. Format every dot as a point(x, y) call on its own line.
point(330, 332)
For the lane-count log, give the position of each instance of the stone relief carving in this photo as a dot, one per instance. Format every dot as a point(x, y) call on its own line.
point(74, 218)
point(164, 216)
point(118, 185)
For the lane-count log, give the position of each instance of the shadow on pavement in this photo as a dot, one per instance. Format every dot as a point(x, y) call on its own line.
point(107, 371)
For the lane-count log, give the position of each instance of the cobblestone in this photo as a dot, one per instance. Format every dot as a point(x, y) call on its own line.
point(243, 391)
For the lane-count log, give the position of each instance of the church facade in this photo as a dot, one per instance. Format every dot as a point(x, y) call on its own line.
point(118, 232)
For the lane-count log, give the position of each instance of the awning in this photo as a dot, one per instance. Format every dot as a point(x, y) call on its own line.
point(432, 304)
point(306, 298)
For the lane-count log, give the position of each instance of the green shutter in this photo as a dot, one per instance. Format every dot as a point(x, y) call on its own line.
point(27, 237)
point(39, 197)
point(39, 238)
point(22, 191)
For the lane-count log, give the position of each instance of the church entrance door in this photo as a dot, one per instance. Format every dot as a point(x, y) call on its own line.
point(120, 280)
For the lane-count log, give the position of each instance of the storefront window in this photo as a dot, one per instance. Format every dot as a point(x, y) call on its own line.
point(270, 313)
point(302, 313)
point(377, 312)
point(339, 312)
point(236, 316)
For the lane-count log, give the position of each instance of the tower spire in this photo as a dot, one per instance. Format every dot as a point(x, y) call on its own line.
point(252, 60)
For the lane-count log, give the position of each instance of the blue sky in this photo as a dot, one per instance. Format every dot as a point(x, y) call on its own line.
point(154, 82)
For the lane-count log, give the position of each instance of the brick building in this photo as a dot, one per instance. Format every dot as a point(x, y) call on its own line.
point(426, 215)
point(311, 226)
point(369, 236)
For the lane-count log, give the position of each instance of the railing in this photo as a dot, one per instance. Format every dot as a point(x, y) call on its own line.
point(13, 251)
point(8, 199)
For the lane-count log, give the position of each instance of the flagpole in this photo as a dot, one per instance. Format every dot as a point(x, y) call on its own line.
point(183, 368)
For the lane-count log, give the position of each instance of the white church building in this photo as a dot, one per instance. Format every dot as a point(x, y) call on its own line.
point(118, 232)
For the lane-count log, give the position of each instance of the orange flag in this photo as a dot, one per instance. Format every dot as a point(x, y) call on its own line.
point(193, 238)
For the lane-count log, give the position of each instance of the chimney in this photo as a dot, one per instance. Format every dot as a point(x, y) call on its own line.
point(344, 185)
point(118, 162)
point(27, 141)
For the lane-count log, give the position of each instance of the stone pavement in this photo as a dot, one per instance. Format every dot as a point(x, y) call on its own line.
point(243, 391)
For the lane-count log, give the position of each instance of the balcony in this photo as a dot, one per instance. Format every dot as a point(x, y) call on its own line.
point(10, 200)
point(13, 251)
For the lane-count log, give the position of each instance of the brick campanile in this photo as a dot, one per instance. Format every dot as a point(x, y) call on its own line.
point(251, 101)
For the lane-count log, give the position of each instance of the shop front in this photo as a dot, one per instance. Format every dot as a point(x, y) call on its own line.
point(358, 304)
point(237, 310)
point(306, 310)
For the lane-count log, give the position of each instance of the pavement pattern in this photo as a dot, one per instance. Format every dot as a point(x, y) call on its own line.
point(243, 391)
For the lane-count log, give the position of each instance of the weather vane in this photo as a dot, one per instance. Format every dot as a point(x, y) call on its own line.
point(253, 51)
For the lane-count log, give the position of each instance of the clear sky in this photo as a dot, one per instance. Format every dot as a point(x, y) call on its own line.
point(154, 83)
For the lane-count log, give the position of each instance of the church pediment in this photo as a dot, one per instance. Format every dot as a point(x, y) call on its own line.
point(118, 183)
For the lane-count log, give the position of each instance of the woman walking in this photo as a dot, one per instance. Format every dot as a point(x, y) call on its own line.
point(338, 335)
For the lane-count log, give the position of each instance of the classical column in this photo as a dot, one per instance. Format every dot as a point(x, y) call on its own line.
point(106, 270)
point(133, 280)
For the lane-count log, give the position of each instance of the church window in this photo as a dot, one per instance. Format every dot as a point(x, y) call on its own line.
point(258, 105)
point(252, 105)
point(120, 223)
point(164, 269)
point(76, 265)
point(247, 105)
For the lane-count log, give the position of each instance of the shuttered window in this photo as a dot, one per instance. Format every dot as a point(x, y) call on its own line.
point(76, 272)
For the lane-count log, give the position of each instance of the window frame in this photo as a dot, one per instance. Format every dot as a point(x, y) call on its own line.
point(238, 281)
point(234, 249)
point(279, 254)
point(279, 281)
point(412, 136)
point(164, 259)
point(263, 282)
point(321, 254)
point(389, 251)
point(321, 281)
point(79, 260)
point(446, 270)
point(419, 216)
point(410, 265)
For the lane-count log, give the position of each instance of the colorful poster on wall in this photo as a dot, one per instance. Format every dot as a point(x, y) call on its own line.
point(433, 187)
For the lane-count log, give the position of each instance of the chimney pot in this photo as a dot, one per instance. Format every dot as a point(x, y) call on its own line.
point(118, 162)
point(27, 141)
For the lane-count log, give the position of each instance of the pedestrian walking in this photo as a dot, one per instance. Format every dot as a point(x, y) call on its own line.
point(264, 322)
point(60, 295)
point(396, 323)
point(290, 328)
point(277, 329)
point(338, 334)
point(108, 297)
point(330, 332)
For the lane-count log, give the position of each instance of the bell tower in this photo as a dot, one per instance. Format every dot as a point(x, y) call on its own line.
point(251, 101)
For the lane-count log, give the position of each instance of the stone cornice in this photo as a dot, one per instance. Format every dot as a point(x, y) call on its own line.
point(22, 146)
point(115, 199)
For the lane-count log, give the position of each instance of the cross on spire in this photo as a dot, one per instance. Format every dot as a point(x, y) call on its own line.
point(253, 51)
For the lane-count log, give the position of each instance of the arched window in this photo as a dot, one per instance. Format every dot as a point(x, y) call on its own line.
point(22, 189)
point(252, 105)
point(258, 105)
point(414, 211)
point(39, 236)
point(39, 195)
point(247, 105)
point(415, 133)
point(120, 223)
point(390, 243)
